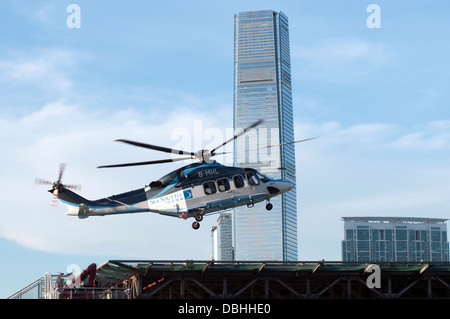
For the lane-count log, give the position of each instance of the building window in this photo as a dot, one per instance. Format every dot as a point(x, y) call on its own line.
point(400, 233)
point(435, 235)
point(349, 234)
point(402, 246)
point(435, 247)
point(362, 233)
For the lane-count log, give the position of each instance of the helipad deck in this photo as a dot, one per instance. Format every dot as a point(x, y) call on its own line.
point(190, 279)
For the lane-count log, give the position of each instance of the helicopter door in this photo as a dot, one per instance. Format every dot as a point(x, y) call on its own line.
point(252, 181)
point(225, 192)
point(240, 192)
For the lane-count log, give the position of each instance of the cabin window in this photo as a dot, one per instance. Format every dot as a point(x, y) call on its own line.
point(223, 184)
point(252, 180)
point(209, 188)
point(238, 181)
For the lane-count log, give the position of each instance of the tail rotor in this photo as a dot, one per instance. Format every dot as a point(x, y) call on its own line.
point(57, 186)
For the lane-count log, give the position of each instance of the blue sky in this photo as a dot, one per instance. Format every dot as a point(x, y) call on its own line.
point(378, 99)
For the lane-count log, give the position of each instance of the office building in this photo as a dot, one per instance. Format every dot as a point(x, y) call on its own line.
point(395, 239)
point(262, 90)
point(222, 239)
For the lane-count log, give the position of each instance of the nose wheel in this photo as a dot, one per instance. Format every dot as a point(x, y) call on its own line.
point(196, 225)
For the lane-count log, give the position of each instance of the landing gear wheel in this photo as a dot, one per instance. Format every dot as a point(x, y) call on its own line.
point(269, 206)
point(196, 225)
point(199, 217)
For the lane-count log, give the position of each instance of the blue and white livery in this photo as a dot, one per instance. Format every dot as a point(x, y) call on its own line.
point(194, 190)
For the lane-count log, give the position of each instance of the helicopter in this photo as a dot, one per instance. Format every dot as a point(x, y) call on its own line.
point(194, 190)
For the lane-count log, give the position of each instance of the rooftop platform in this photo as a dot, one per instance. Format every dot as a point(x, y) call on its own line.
point(206, 279)
point(189, 279)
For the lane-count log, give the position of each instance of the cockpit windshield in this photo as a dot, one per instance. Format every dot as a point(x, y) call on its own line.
point(262, 177)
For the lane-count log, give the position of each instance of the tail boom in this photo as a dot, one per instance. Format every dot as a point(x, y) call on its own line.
point(131, 202)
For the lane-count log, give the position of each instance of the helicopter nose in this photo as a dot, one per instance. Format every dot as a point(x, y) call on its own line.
point(280, 187)
point(286, 186)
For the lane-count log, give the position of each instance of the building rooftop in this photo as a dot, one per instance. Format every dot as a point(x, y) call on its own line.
point(397, 220)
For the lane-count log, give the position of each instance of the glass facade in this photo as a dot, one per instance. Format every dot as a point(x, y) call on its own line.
point(262, 90)
point(395, 239)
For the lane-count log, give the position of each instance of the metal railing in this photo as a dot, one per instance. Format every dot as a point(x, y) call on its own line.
point(32, 291)
point(52, 287)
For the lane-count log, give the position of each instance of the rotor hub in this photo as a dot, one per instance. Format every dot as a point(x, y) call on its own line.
point(203, 155)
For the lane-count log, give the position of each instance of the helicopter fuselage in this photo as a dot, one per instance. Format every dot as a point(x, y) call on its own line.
point(194, 190)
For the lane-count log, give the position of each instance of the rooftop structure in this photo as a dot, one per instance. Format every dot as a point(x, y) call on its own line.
point(189, 279)
point(397, 220)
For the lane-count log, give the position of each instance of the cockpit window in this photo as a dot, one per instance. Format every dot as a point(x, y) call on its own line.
point(252, 180)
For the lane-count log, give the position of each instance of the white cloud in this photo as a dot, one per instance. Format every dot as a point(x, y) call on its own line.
point(432, 136)
point(340, 59)
point(46, 69)
point(41, 13)
point(335, 49)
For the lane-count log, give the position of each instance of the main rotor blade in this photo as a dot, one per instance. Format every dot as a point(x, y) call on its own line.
point(42, 181)
point(73, 187)
point(62, 166)
point(270, 146)
point(146, 163)
point(304, 140)
point(157, 148)
point(237, 135)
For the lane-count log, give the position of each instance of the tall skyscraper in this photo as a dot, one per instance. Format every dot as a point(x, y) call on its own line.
point(262, 90)
point(222, 239)
point(395, 239)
